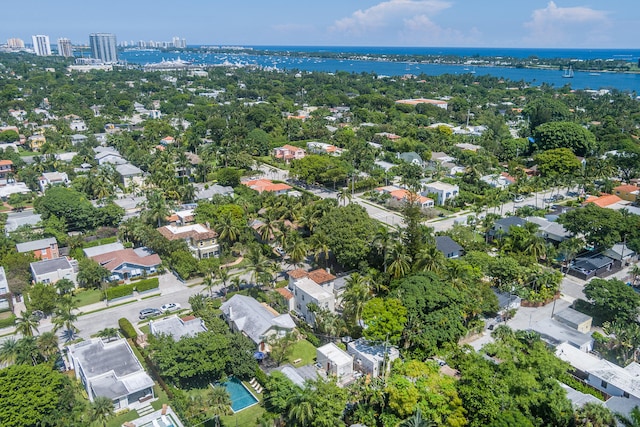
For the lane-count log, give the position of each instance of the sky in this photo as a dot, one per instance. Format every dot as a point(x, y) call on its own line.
point(429, 23)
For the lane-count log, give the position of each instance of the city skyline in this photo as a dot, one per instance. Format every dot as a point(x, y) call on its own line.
point(536, 24)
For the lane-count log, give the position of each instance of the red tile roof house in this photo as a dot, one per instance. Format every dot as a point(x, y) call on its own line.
point(127, 263)
point(6, 168)
point(604, 200)
point(261, 185)
point(288, 153)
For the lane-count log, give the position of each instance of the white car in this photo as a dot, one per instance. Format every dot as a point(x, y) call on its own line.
point(170, 307)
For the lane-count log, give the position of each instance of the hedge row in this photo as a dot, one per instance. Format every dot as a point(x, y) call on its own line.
point(9, 321)
point(147, 284)
point(120, 291)
point(127, 328)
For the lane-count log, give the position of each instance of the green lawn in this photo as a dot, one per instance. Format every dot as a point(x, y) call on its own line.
point(119, 420)
point(247, 417)
point(303, 350)
point(90, 296)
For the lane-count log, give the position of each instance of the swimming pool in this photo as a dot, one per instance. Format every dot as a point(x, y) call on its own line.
point(241, 397)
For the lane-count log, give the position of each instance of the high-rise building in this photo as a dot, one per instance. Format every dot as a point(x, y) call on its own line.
point(64, 48)
point(41, 45)
point(104, 47)
point(15, 43)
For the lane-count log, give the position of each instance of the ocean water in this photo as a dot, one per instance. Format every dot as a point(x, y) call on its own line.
point(582, 80)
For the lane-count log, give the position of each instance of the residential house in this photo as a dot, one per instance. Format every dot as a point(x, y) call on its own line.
point(370, 358)
point(586, 268)
point(306, 292)
point(127, 263)
point(207, 191)
point(130, 174)
point(609, 378)
point(550, 230)
point(36, 142)
point(411, 157)
point(501, 181)
point(262, 185)
point(621, 253)
point(201, 240)
point(6, 168)
point(167, 140)
point(13, 188)
point(442, 190)
point(257, 321)
point(465, 146)
point(52, 270)
point(501, 226)
point(603, 201)
point(627, 192)
point(78, 125)
point(102, 249)
point(335, 361)
point(388, 135)
point(5, 293)
point(108, 155)
point(177, 327)
point(78, 138)
point(110, 369)
point(183, 217)
point(288, 153)
point(49, 179)
point(41, 249)
point(449, 248)
point(415, 101)
point(288, 298)
point(401, 195)
point(323, 148)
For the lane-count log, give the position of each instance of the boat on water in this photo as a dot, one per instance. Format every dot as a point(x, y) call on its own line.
point(568, 73)
point(594, 74)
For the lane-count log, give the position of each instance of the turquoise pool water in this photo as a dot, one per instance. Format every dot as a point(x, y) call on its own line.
point(241, 398)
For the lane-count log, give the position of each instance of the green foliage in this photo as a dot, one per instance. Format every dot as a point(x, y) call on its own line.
point(349, 232)
point(43, 297)
point(127, 328)
point(316, 168)
point(558, 162)
point(147, 284)
point(34, 395)
point(229, 176)
point(565, 135)
point(7, 322)
point(613, 300)
point(384, 319)
point(601, 227)
point(120, 291)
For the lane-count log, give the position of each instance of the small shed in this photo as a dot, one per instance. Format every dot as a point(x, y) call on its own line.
point(574, 319)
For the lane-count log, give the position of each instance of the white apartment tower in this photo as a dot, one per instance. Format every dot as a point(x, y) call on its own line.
point(64, 48)
point(41, 45)
point(104, 47)
point(15, 43)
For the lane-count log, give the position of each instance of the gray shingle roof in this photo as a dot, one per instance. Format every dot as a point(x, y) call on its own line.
point(447, 245)
point(50, 266)
point(36, 244)
point(253, 318)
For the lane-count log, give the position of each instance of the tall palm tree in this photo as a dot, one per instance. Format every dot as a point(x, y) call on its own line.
point(301, 405)
point(319, 243)
point(430, 259)
point(27, 351)
point(157, 208)
point(27, 324)
point(219, 402)
point(108, 333)
point(355, 296)
point(101, 411)
point(416, 420)
point(223, 275)
point(400, 261)
point(297, 249)
point(594, 415)
point(344, 195)
point(47, 344)
point(227, 229)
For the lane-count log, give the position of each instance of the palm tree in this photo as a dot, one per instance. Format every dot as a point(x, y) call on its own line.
point(101, 410)
point(355, 296)
point(344, 195)
point(319, 243)
point(9, 351)
point(633, 420)
point(301, 405)
point(27, 351)
point(400, 261)
point(157, 208)
point(227, 229)
point(297, 249)
point(64, 318)
point(219, 401)
point(47, 344)
point(430, 259)
point(26, 324)
point(594, 415)
point(223, 275)
point(635, 272)
point(416, 420)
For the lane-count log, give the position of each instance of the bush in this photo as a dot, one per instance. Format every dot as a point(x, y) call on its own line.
point(127, 328)
point(147, 284)
point(216, 303)
point(119, 291)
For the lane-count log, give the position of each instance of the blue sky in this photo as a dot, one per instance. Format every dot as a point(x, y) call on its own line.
point(476, 23)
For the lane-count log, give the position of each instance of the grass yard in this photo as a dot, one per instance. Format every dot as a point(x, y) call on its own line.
point(89, 296)
point(303, 350)
point(121, 419)
point(247, 417)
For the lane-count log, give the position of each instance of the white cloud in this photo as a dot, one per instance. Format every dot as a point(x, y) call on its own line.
point(390, 14)
point(421, 29)
point(563, 26)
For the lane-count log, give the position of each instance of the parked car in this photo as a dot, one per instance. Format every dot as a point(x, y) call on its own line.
point(172, 306)
point(518, 199)
point(149, 312)
point(558, 197)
